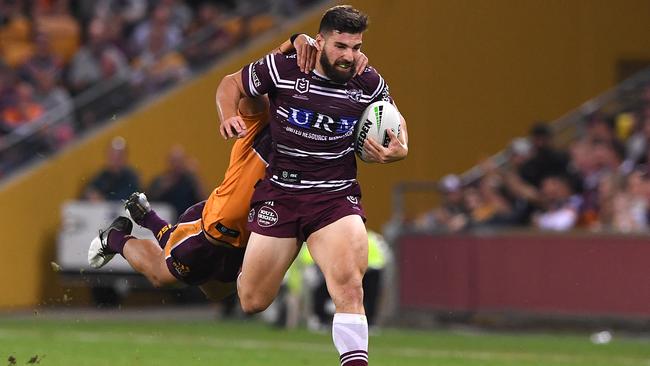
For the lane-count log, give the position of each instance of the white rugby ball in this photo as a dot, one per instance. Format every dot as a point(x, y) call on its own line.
point(374, 123)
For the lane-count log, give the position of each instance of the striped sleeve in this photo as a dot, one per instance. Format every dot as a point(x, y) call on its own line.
point(376, 87)
point(257, 78)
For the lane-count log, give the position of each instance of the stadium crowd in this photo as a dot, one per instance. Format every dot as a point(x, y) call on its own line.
point(178, 186)
point(68, 65)
point(599, 182)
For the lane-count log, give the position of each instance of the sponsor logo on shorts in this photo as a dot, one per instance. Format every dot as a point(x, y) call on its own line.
point(226, 230)
point(267, 217)
point(251, 215)
point(182, 269)
point(353, 200)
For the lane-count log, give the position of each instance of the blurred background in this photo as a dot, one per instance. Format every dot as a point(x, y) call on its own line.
point(524, 201)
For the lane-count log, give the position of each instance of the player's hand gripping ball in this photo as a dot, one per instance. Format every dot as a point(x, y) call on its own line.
point(374, 124)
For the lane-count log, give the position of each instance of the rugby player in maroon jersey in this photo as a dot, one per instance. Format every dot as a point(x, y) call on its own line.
point(310, 191)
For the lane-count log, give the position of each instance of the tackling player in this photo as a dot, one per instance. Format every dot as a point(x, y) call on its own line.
point(310, 192)
point(206, 245)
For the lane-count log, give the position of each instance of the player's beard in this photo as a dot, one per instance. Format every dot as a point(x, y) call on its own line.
point(336, 74)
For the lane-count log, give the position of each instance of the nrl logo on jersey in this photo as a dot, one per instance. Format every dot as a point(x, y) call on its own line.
point(354, 94)
point(302, 85)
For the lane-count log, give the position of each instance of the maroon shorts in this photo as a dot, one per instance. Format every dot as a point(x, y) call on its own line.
point(194, 260)
point(290, 215)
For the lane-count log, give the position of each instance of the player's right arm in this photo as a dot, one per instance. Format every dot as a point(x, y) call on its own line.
point(253, 81)
point(231, 91)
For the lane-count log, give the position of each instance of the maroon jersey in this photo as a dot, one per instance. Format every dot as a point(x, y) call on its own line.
point(312, 123)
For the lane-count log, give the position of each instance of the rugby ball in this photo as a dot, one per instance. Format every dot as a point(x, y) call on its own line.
point(374, 123)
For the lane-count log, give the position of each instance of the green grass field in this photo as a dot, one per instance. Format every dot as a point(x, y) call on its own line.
point(116, 343)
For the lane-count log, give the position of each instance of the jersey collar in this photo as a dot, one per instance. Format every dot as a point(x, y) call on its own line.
point(326, 78)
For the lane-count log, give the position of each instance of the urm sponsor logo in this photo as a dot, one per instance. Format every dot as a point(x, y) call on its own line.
point(309, 119)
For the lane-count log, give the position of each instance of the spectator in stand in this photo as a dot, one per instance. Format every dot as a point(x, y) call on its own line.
point(522, 195)
point(7, 94)
point(15, 33)
point(128, 12)
point(159, 24)
point(559, 206)
point(99, 60)
point(635, 144)
point(86, 67)
point(39, 41)
point(25, 110)
point(638, 143)
point(495, 209)
point(180, 13)
point(21, 119)
point(480, 212)
point(640, 188)
point(600, 127)
point(56, 99)
point(116, 34)
point(158, 67)
point(178, 185)
point(51, 94)
point(599, 158)
point(43, 61)
point(452, 214)
point(631, 205)
point(53, 18)
point(117, 180)
point(623, 203)
point(545, 159)
point(609, 155)
point(587, 168)
point(608, 188)
point(207, 21)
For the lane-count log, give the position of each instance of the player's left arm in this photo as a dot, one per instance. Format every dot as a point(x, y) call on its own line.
point(397, 147)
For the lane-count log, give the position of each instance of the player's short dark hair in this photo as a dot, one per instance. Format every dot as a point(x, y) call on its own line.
point(345, 19)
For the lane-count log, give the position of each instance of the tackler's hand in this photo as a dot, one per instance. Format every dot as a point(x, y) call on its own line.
point(233, 127)
point(396, 150)
point(361, 62)
point(306, 51)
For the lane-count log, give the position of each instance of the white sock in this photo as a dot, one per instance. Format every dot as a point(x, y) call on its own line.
point(350, 335)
